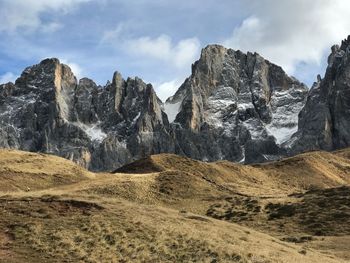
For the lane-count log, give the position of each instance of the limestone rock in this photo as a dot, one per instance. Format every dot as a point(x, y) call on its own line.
point(235, 106)
point(101, 128)
point(324, 122)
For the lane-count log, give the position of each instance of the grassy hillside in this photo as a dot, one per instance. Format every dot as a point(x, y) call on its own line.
point(167, 208)
point(23, 171)
point(52, 229)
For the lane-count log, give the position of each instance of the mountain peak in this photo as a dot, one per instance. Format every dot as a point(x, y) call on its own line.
point(50, 61)
point(235, 106)
point(213, 48)
point(345, 43)
point(324, 122)
point(240, 101)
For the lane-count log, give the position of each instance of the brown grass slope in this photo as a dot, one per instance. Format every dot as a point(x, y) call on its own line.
point(57, 229)
point(23, 171)
point(299, 173)
point(303, 199)
point(167, 208)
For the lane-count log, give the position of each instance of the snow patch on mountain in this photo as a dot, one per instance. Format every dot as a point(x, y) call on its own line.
point(282, 134)
point(218, 104)
point(172, 109)
point(136, 118)
point(284, 121)
point(94, 132)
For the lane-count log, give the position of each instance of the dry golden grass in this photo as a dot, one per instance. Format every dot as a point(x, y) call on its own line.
point(57, 229)
point(167, 208)
point(23, 171)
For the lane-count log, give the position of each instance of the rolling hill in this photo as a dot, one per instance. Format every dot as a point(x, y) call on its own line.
point(168, 208)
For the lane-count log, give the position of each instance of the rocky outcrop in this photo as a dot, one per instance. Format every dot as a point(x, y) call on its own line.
point(324, 122)
point(234, 106)
point(101, 128)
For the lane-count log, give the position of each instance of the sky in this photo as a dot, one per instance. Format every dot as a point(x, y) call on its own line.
point(158, 40)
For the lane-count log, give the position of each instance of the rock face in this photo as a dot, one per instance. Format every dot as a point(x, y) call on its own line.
point(324, 122)
point(234, 106)
point(101, 128)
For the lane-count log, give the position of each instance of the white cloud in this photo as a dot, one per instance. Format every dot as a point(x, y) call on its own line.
point(289, 32)
point(76, 69)
point(161, 48)
point(7, 77)
point(25, 14)
point(111, 36)
point(51, 27)
point(165, 89)
point(173, 56)
point(181, 54)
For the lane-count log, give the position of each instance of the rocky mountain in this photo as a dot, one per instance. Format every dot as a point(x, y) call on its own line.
point(101, 128)
point(235, 106)
point(324, 122)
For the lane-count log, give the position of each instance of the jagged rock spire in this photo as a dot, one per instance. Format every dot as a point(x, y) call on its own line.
point(324, 123)
point(235, 106)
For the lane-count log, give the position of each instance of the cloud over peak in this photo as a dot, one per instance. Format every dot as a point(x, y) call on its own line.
point(162, 48)
point(7, 77)
point(180, 54)
point(158, 40)
point(292, 32)
point(26, 14)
